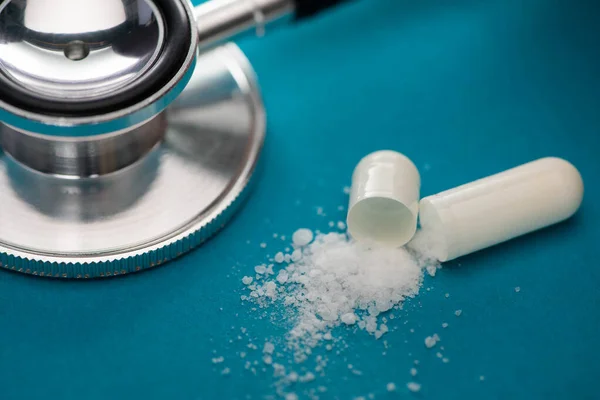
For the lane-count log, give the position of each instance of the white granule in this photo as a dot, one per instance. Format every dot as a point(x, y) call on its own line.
point(349, 318)
point(444, 325)
point(269, 348)
point(263, 245)
point(267, 359)
point(279, 257)
point(291, 396)
point(431, 270)
point(391, 387)
point(413, 371)
point(308, 377)
point(430, 341)
point(341, 225)
point(331, 224)
point(218, 360)
point(447, 295)
point(413, 386)
point(346, 189)
point(517, 289)
point(260, 269)
point(225, 371)
point(247, 280)
point(482, 378)
point(445, 360)
point(302, 237)
point(457, 313)
point(296, 255)
point(282, 276)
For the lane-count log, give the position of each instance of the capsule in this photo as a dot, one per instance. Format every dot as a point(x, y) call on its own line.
point(384, 199)
point(500, 207)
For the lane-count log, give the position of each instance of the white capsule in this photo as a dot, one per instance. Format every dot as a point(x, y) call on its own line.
point(384, 199)
point(500, 207)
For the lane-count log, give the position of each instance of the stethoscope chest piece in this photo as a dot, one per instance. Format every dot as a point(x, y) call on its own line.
point(121, 148)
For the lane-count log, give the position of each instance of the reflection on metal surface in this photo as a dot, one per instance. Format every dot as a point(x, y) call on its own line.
point(78, 49)
point(164, 205)
point(82, 200)
point(220, 20)
point(83, 157)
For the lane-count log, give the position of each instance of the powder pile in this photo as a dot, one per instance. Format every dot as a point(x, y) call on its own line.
point(330, 280)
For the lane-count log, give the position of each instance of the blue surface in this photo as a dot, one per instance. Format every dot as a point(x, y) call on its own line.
point(466, 89)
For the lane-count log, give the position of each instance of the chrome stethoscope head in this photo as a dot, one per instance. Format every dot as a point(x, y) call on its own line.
point(122, 145)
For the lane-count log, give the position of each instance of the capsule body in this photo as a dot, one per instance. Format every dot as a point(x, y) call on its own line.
point(500, 207)
point(384, 199)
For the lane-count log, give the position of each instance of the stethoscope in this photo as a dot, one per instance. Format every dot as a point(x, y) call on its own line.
point(129, 131)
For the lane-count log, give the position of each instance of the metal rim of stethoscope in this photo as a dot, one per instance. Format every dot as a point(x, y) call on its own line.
point(36, 113)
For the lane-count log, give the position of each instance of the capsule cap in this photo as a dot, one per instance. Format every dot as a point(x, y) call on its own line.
point(384, 199)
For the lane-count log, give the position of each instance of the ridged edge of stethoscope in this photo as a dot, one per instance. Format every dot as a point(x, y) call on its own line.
point(126, 265)
point(152, 256)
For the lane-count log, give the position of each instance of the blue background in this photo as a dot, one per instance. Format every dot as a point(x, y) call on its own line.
point(464, 88)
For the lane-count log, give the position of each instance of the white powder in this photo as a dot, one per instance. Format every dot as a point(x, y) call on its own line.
point(444, 325)
point(330, 281)
point(341, 225)
point(458, 313)
point(336, 277)
point(247, 280)
point(391, 387)
point(517, 289)
point(413, 371)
